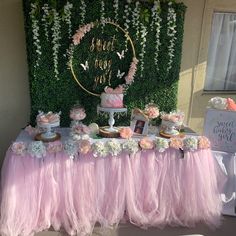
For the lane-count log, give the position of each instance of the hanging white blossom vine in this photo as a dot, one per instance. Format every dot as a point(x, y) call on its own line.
point(116, 9)
point(127, 21)
point(45, 19)
point(67, 17)
point(55, 40)
point(35, 31)
point(156, 26)
point(171, 32)
point(144, 33)
point(102, 13)
point(136, 19)
point(83, 11)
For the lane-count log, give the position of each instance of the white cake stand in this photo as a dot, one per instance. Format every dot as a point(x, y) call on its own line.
point(171, 127)
point(111, 112)
point(49, 134)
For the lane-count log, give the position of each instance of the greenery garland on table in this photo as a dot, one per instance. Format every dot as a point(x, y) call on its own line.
point(50, 24)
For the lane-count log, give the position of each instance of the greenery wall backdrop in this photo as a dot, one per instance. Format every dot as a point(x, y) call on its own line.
point(156, 28)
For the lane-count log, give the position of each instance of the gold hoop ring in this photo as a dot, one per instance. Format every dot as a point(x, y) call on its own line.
point(133, 50)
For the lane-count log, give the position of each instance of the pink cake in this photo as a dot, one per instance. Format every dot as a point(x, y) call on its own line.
point(112, 98)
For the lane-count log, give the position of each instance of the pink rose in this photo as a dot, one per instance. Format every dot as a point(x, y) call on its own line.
point(176, 143)
point(31, 130)
point(151, 111)
point(231, 105)
point(126, 132)
point(84, 146)
point(19, 148)
point(203, 143)
point(54, 147)
point(146, 143)
point(77, 114)
point(81, 129)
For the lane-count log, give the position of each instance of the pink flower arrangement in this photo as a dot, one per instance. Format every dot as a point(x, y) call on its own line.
point(84, 147)
point(146, 143)
point(31, 130)
point(222, 103)
point(175, 116)
point(151, 110)
point(117, 90)
point(80, 129)
point(54, 147)
point(80, 33)
point(126, 133)
point(77, 113)
point(204, 142)
point(132, 70)
point(176, 143)
point(19, 148)
point(231, 105)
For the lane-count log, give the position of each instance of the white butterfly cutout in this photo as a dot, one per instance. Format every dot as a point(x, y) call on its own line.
point(121, 55)
point(120, 75)
point(85, 65)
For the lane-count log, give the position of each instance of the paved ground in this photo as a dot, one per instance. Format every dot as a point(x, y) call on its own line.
point(228, 228)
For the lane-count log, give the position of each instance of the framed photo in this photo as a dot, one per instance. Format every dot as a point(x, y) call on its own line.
point(139, 122)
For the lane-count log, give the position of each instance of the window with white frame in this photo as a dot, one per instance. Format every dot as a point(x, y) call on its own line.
point(221, 63)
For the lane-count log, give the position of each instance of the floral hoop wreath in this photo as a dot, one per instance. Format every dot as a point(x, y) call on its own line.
point(80, 33)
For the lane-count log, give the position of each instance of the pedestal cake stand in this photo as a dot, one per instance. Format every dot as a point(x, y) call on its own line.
point(49, 135)
point(111, 131)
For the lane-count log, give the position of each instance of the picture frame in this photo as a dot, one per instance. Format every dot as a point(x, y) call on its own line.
point(139, 122)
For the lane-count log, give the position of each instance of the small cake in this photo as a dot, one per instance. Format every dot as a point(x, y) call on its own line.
point(48, 119)
point(112, 98)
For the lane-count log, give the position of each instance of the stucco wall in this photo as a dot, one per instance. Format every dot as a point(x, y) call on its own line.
point(14, 89)
point(191, 98)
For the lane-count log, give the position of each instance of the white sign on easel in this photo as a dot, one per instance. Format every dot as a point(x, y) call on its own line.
point(220, 129)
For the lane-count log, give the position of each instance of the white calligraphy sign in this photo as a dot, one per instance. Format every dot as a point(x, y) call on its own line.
point(220, 128)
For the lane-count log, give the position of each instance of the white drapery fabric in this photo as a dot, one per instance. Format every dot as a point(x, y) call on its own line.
point(221, 64)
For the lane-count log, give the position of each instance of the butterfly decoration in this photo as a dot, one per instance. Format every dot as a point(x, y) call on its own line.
point(121, 55)
point(120, 75)
point(85, 65)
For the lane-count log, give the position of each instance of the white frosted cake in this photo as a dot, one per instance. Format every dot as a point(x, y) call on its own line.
point(112, 98)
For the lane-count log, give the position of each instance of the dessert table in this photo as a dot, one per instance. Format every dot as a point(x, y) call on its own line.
point(146, 188)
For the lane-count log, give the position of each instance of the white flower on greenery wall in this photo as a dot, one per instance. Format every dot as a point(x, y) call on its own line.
point(83, 11)
point(144, 33)
point(67, 17)
point(35, 31)
point(116, 9)
point(156, 27)
point(102, 12)
point(56, 41)
point(136, 18)
point(171, 32)
point(45, 19)
point(126, 15)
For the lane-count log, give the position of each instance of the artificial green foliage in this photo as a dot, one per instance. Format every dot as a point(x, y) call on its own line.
point(49, 94)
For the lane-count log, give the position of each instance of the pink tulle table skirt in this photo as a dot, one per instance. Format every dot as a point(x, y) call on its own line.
point(146, 189)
